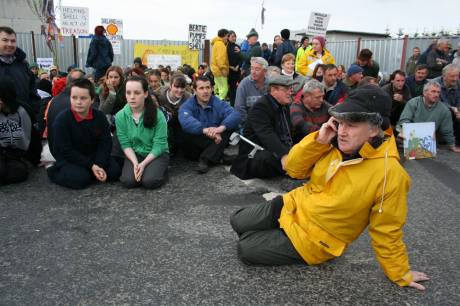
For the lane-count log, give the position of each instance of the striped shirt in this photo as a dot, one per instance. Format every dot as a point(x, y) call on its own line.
point(305, 121)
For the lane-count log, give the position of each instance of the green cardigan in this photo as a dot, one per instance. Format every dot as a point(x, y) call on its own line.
point(141, 139)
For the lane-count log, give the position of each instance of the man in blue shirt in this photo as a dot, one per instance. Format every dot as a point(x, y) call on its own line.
point(207, 123)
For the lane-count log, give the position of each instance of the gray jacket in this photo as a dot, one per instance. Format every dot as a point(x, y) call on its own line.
point(247, 95)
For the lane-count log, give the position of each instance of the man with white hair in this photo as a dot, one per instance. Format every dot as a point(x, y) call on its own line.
point(356, 182)
point(438, 58)
point(426, 108)
point(252, 87)
point(450, 94)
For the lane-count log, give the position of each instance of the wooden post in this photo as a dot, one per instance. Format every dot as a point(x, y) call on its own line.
point(358, 46)
point(34, 50)
point(74, 44)
point(207, 52)
point(403, 55)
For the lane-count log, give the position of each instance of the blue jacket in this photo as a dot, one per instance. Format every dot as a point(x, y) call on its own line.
point(194, 118)
point(100, 53)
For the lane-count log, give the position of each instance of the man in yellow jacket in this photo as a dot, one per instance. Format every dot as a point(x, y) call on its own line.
point(356, 181)
point(219, 63)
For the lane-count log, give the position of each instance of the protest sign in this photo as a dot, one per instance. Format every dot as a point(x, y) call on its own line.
point(74, 20)
point(44, 63)
point(154, 60)
point(419, 140)
point(196, 36)
point(187, 56)
point(318, 24)
point(114, 29)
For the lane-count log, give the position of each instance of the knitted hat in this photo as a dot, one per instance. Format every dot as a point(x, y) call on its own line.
point(367, 103)
point(354, 69)
point(251, 33)
point(321, 40)
point(285, 34)
point(33, 65)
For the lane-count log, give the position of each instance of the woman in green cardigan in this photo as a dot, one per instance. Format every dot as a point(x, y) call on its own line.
point(143, 135)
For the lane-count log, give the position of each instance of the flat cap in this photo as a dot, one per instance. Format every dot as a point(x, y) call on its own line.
point(282, 80)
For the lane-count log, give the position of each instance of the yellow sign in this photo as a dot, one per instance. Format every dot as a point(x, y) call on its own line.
point(188, 56)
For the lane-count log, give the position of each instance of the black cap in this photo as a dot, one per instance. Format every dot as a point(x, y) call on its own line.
point(366, 103)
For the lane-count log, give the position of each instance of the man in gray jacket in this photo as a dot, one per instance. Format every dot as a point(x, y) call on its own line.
point(251, 87)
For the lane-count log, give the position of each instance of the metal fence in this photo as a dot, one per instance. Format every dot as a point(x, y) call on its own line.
point(387, 52)
point(77, 49)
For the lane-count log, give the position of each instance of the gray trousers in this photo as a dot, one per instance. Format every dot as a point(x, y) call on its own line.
point(261, 240)
point(155, 174)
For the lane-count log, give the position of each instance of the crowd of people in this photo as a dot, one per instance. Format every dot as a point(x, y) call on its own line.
point(295, 110)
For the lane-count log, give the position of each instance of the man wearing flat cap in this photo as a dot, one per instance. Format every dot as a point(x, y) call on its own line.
point(356, 181)
point(268, 125)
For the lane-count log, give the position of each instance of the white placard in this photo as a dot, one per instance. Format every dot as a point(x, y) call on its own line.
point(44, 63)
point(196, 36)
point(154, 60)
point(114, 29)
point(74, 20)
point(318, 23)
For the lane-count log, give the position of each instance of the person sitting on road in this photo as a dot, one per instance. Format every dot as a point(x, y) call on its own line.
point(335, 90)
point(356, 182)
point(417, 81)
point(288, 65)
point(367, 63)
point(450, 94)
point(19, 141)
point(354, 76)
point(112, 96)
point(268, 126)
point(82, 142)
point(142, 132)
point(207, 123)
point(312, 111)
point(171, 100)
point(252, 87)
point(428, 108)
point(399, 93)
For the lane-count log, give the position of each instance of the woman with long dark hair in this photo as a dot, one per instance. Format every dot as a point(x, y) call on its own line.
point(143, 135)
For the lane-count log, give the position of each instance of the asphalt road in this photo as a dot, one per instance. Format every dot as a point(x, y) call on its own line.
point(107, 245)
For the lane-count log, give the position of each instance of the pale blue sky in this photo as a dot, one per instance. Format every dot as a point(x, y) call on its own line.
point(154, 19)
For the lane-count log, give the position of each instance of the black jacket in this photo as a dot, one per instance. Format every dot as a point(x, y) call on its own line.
point(285, 48)
point(82, 143)
point(234, 59)
point(23, 79)
point(100, 53)
point(58, 104)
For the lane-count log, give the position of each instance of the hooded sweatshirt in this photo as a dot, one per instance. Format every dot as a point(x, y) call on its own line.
point(342, 198)
point(219, 59)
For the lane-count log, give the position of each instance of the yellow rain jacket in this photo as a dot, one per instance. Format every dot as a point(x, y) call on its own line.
point(342, 198)
point(219, 59)
point(305, 65)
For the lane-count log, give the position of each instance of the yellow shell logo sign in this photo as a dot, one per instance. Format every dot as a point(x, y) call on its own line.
point(112, 29)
